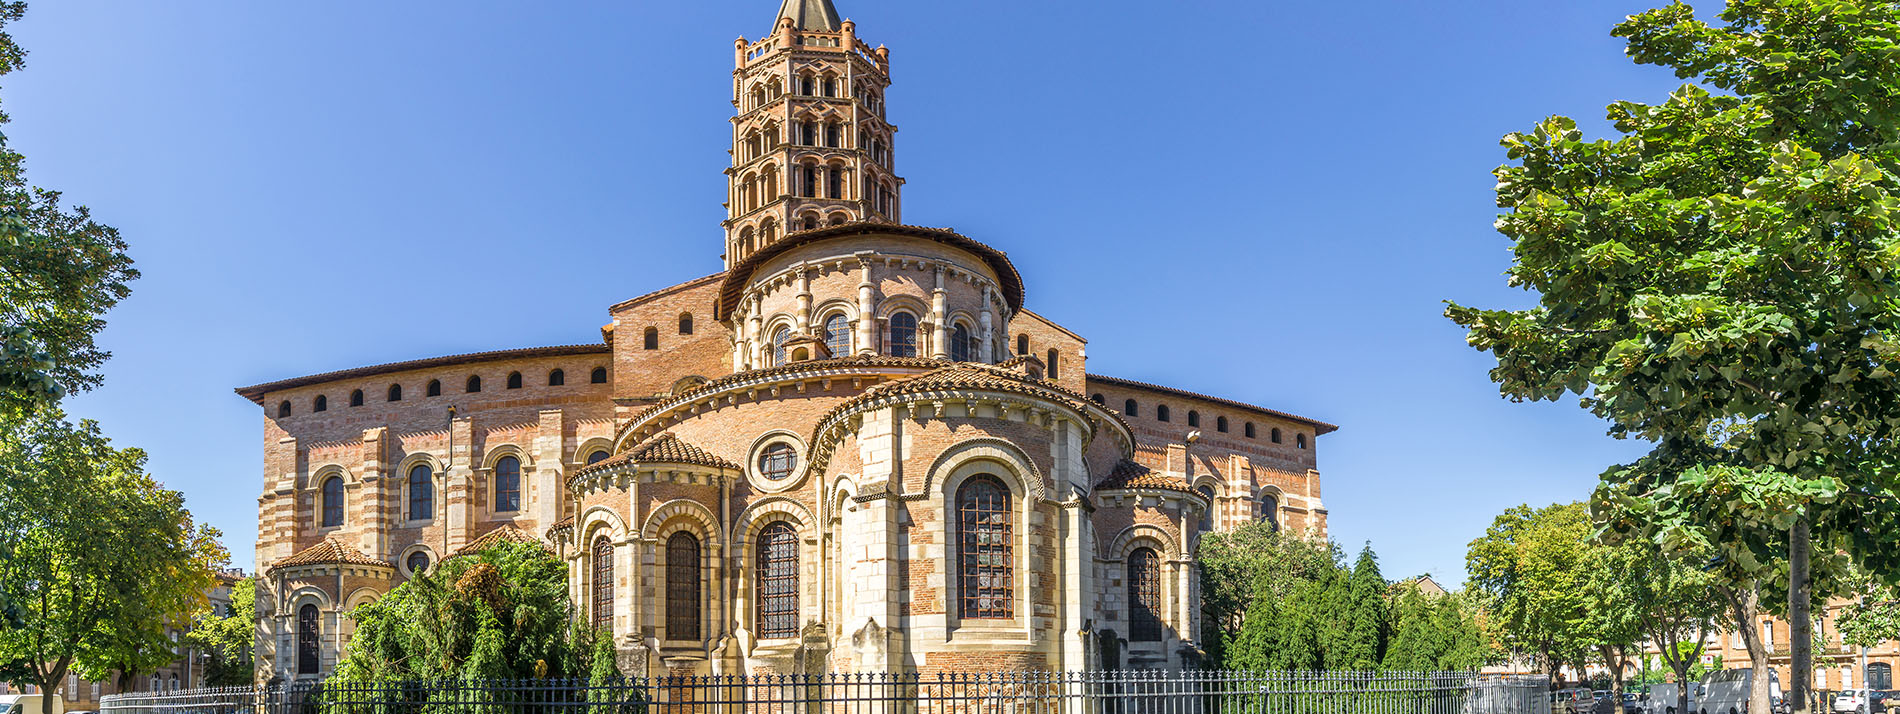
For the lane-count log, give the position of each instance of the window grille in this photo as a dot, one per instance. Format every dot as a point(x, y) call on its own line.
point(985, 564)
point(682, 587)
point(778, 580)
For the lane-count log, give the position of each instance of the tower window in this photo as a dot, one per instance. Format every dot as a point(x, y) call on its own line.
point(1194, 418)
point(960, 343)
point(831, 87)
point(1022, 345)
point(1130, 409)
point(1161, 412)
point(514, 380)
point(356, 398)
point(834, 182)
point(321, 403)
point(1052, 367)
point(1274, 435)
point(1207, 517)
point(603, 577)
point(903, 335)
point(395, 393)
point(651, 338)
point(985, 565)
point(283, 409)
point(806, 85)
point(778, 580)
point(1220, 424)
point(1299, 441)
point(557, 378)
point(682, 587)
point(832, 135)
point(332, 502)
point(1098, 399)
point(1144, 596)
point(507, 485)
point(838, 335)
point(474, 384)
point(686, 323)
point(599, 376)
point(435, 388)
point(1249, 430)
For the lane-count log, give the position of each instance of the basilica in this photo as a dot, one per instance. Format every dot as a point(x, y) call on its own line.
point(854, 448)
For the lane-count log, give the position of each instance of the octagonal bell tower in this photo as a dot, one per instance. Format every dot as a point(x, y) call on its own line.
point(810, 144)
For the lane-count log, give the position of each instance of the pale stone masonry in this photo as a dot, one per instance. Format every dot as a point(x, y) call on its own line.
point(853, 449)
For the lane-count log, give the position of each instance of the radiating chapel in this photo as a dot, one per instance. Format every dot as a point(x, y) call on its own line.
point(852, 449)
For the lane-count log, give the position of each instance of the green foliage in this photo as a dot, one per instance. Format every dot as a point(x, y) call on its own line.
point(1639, 593)
point(1282, 602)
point(102, 559)
point(1530, 572)
point(499, 613)
point(60, 271)
point(1873, 618)
point(229, 637)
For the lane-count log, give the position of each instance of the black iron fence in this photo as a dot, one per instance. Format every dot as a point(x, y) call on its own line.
point(1188, 692)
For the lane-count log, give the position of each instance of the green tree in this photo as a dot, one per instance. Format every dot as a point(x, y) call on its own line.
point(1638, 592)
point(60, 271)
point(1434, 633)
point(229, 638)
point(108, 559)
point(1719, 279)
point(1249, 571)
point(1367, 621)
point(502, 612)
point(1531, 572)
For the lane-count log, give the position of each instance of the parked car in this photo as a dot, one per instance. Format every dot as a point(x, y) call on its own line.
point(28, 704)
point(1853, 701)
point(1632, 703)
point(1662, 697)
point(1884, 702)
point(1726, 691)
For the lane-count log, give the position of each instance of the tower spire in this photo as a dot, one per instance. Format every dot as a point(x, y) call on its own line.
point(810, 15)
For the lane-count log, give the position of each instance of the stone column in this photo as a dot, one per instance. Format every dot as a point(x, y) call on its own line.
point(983, 344)
point(804, 300)
point(867, 308)
point(939, 347)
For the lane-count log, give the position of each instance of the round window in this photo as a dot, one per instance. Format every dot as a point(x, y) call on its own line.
point(418, 562)
point(777, 460)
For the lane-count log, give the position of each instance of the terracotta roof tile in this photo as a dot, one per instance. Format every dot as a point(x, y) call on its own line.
point(740, 275)
point(1319, 427)
point(506, 533)
point(664, 448)
point(1129, 474)
point(256, 392)
point(972, 375)
point(330, 552)
point(561, 526)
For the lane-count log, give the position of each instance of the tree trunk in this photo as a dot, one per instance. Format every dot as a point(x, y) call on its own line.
point(1800, 622)
point(1746, 604)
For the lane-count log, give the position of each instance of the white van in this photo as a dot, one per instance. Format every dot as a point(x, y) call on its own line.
point(1726, 692)
point(27, 704)
point(1662, 697)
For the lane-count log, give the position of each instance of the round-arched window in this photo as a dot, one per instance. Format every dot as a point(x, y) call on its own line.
point(507, 484)
point(597, 456)
point(332, 502)
point(838, 335)
point(777, 461)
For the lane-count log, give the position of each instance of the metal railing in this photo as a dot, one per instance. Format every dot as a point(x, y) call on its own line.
point(1117, 692)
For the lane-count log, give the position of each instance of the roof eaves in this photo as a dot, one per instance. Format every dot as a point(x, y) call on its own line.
point(1320, 427)
point(256, 392)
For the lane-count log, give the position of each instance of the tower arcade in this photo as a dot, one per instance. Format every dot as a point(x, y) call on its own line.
point(810, 143)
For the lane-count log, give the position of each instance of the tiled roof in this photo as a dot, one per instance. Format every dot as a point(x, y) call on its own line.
point(739, 276)
point(695, 282)
point(664, 448)
point(1319, 427)
point(971, 375)
point(1129, 474)
point(560, 526)
point(790, 368)
point(507, 533)
point(256, 392)
point(330, 552)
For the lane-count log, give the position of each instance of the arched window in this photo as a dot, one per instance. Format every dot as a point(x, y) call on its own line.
point(557, 378)
point(283, 409)
point(597, 457)
point(808, 184)
point(1249, 430)
point(651, 338)
point(395, 392)
point(960, 343)
point(832, 139)
point(1220, 424)
point(474, 384)
point(1207, 517)
point(514, 380)
point(418, 562)
point(1022, 345)
point(1130, 408)
point(805, 85)
point(1270, 510)
point(778, 580)
point(421, 493)
point(1299, 441)
point(435, 388)
point(356, 398)
point(1194, 418)
point(309, 658)
point(838, 335)
point(1161, 412)
point(599, 376)
point(1274, 435)
point(507, 485)
point(320, 404)
point(1098, 399)
point(986, 568)
point(1880, 676)
point(686, 323)
point(1051, 367)
point(603, 579)
point(779, 338)
point(1144, 596)
point(682, 587)
point(831, 87)
point(333, 502)
point(903, 335)
point(839, 219)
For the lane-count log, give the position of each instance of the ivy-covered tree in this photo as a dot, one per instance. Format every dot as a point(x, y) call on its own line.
point(1718, 279)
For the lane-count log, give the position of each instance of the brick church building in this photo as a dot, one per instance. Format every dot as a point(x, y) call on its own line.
point(853, 449)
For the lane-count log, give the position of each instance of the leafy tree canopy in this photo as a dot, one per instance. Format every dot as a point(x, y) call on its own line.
point(1530, 571)
point(229, 638)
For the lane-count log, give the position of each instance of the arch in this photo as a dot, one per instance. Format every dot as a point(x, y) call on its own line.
point(1269, 505)
point(356, 398)
point(283, 409)
point(838, 219)
point(650, 338)
point(779, 337)
point(683, 601)
point(395, 393)
point(557, 377)
point(686, 323)
point(474, 384)
point(331, 501)
point(514, 380)
point(767, 509)
point(588, 447)
point(434, 389)
point(1133, 536)
point(321, 403)
point(1130, 408)
point(1207, 515)
point(598, 376)
point(680, 510)
point(601, 520)
point(1008, 456)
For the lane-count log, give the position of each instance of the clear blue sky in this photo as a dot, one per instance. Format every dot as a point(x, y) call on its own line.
point(1266, 201)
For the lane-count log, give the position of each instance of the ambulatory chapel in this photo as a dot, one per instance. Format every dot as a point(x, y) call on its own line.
point(853, 449)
